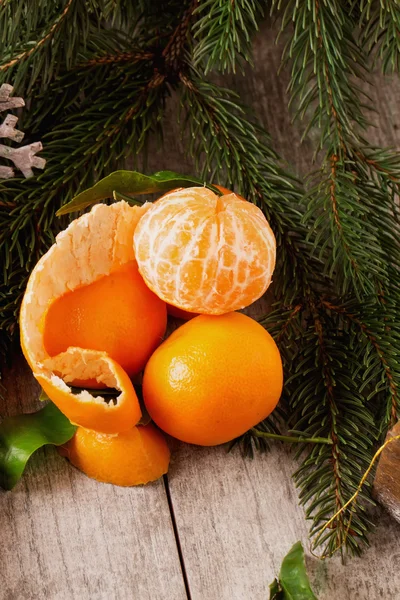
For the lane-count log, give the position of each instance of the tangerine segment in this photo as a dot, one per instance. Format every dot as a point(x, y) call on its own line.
point(135, 457)
point(213, 379)
point(117, 314)
point(82, 408)
point(205, 253)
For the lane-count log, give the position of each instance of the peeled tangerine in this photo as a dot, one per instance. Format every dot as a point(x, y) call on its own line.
point(205, 253)
point(88, 319)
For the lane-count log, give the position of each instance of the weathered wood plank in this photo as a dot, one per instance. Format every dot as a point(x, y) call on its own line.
point(237, 518)
point(65, 536)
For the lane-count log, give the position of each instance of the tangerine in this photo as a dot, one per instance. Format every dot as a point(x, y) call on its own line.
point(117, 314)
point(135, 457)
point(205, 253)
point(91, 256)
point(213, 379)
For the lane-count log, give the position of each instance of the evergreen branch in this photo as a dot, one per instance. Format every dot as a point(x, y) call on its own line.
point(47, 37)
point(324, 57)
point(328, 403)
point(386, 353)
point(224, 31)
point(39, 51)
point(326, 63)
point(290, 439)
point(346, 211)
point(120, 57)
point(380, 31)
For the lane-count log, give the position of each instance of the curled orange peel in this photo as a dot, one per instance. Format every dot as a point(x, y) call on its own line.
point(94, 245)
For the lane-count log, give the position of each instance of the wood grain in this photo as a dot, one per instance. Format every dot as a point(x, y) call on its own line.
point(66, 537)
point(237, 518)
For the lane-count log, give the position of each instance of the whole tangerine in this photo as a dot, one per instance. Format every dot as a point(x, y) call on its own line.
point(213, 379)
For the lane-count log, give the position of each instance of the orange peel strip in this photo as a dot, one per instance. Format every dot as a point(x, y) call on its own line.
point(91, 247)
point(83, 408)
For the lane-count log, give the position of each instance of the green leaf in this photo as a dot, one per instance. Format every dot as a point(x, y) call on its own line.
point(22, 435)
point(293, 579)
point(275, 590)
point(131, 182)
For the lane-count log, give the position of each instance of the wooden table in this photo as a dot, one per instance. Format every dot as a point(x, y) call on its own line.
point(219, 525)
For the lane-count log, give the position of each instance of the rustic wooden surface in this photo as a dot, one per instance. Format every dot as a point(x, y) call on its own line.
point(219, 527)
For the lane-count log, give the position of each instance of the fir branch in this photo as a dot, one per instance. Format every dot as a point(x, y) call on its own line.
point(347, 210)
point(382, 335)
point(46, 38)
point(326, 64)
point(328, 402)
point(324, 56)
point(223, 31)
point(49, 41)
point(380, 31)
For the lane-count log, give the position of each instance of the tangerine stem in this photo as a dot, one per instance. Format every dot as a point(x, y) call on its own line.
point(290, 439)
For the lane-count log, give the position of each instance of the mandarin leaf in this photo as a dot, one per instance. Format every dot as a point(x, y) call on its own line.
point(22, 435)
point(293, 579)
point(131, 182)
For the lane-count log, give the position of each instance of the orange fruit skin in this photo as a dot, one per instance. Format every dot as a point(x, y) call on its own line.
point(205, 253)
point(225, 191)
point(185, 315)
point(213, 379)
point(135, 457)
point(101, 416)
point(117, 314)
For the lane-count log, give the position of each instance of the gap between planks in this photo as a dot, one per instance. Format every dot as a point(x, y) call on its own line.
point(176, 534)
